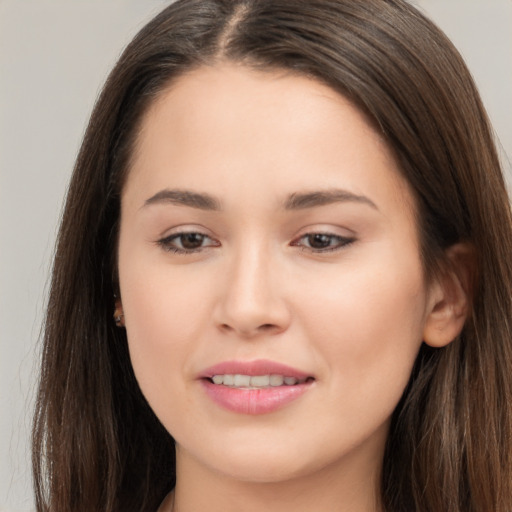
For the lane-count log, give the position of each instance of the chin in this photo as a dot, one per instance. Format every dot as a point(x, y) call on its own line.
point(270, 468)
point(266, 459)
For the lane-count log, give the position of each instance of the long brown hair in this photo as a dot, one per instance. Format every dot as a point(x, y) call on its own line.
point(96, 443)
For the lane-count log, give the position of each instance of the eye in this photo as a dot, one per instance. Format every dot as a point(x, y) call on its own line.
point(322, 242)
point(187, 242)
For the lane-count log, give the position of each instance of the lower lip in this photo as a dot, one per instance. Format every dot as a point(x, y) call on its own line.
point(254, 401)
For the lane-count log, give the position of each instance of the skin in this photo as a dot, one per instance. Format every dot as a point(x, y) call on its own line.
point(353, 317)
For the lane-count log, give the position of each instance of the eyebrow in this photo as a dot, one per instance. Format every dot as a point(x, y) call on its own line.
point(295, 201)
point(302, 201)
point(184, 198)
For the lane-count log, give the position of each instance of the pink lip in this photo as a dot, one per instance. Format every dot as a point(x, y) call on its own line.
point(256, 367)
point(253, 401)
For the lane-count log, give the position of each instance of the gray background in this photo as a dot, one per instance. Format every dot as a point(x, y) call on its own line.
point(54, 56)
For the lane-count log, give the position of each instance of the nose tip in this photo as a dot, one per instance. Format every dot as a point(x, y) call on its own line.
point(252, 302)
point(251, 329)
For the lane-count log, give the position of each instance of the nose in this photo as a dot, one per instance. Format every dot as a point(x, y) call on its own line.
point(252, 301)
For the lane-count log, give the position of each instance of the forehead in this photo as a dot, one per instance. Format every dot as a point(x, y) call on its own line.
point(218, 125)
point(211, 99)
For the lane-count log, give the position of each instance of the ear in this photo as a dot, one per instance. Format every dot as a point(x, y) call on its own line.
point(450, 296)
point(118, 313)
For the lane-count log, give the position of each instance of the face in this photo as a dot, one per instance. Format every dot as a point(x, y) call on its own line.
point(270, 275)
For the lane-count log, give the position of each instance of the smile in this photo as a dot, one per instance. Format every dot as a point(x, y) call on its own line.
point(254, 387)
point(255, 381)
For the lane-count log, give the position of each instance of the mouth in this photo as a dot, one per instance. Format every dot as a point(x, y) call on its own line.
point(255, 387)
point(241, 381)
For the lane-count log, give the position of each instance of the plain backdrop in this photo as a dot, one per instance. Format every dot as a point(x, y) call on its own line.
point(54, 57)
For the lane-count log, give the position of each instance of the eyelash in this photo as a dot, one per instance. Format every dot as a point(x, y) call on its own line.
point(167, 242)
point(340, 242)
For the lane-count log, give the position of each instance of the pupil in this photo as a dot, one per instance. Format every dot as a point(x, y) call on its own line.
point(191, 240)
point(319, 241)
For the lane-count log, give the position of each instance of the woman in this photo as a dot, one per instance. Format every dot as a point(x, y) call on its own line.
point(296, 215)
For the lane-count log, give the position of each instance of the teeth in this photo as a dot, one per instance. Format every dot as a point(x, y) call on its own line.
point(242, 381)
point(229, 380)
point(255, 381)
point(218, 379)
point(276, 380)
point(260, 381)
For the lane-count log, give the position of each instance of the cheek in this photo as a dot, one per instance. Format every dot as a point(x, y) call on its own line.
point(164, 317)
point(368, 325)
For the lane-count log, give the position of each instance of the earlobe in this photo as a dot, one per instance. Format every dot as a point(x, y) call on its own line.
point(118, 313)
point(451, 297)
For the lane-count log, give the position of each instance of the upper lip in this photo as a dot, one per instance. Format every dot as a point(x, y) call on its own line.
point(252, 368)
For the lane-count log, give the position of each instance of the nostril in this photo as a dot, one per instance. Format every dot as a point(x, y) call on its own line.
point(267, 327)
point(263, 328)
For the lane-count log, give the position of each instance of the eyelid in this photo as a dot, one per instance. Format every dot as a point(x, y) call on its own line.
point(185, 228)
point(326, 228)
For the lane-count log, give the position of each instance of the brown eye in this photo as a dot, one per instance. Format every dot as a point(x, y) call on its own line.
point(191, 240)
point(319, 240)
point(187, 242)
point(322, 242)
